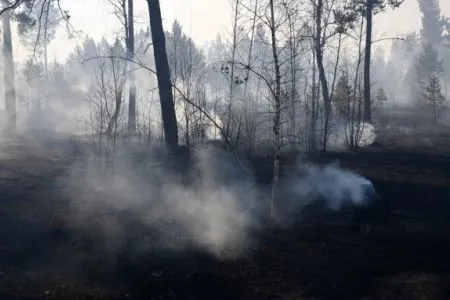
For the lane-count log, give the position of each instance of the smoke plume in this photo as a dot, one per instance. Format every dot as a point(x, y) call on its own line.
point(331, 184)
point(149, 204)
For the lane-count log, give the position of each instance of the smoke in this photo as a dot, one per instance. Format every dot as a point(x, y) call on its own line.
point(150, 204)
point(212, 132)
point(141, 199)
point(334, 186)
point(363, 134)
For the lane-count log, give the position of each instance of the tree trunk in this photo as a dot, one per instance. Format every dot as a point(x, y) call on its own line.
point(45, 57)
point(130, 53)
point(293, 94)
point(322, 75)
point(368, 50)
point(163, 75)
point(10, 90)
point(274, 206)
point(228, 130)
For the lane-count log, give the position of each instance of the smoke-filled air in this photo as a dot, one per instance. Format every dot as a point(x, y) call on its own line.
point(242, 149)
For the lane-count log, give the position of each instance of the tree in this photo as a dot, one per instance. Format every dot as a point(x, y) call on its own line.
point(277, 116)
point(428, 64)
point(380, 96)
point(186, 68)
point(447, 35)
point(330, 20)
point(433, 95)
point(17, 10)
point(433, 33)
point(129, 29)
point(368, 8)
point(34, 73)
point(9, 74)
point(37, 27)
point(372, 6)
point(118, 69)
point(124, 11)
point(318, 47)
point(342, 95)
point(163, 76)
point(432, 22)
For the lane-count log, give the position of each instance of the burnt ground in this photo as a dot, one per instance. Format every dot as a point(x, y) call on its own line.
point(407, 258)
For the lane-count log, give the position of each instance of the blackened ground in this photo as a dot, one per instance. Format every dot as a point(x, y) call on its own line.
point(405, 257)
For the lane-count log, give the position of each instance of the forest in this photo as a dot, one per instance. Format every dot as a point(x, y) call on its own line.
point(294, 157)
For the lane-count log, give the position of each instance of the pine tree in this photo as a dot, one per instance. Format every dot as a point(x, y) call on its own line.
point(368, 8)
point(428, 64)
point(342, 95)
point(380, 96)
point(432, 22)
point(433, 95)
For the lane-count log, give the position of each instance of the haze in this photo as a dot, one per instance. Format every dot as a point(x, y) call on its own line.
point(203, 20)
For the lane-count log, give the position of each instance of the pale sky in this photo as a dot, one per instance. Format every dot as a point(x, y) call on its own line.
point(201, 19)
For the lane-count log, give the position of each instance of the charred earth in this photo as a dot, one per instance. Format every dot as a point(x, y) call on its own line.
point(43, 257)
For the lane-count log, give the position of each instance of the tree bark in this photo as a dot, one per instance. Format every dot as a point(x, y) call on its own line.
point(163, 75)
point(274, 206)
point(9, 75)
point(229, 130)
point(322, 75)
point(130, 53)
point(367, 58)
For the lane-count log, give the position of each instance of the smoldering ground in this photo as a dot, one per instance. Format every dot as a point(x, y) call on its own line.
point(207, 203)
point(330, 187)
point(151, 204)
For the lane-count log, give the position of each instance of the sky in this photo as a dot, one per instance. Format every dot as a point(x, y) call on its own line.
point(200, 19)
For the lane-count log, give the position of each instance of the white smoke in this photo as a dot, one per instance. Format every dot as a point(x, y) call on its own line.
point(332, 184)
point(212, 131)
point(214, 212)
point(363, 134)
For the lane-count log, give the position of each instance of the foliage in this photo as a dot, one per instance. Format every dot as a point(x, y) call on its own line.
point(433, 96)
point(428, 63)
point(342, 95)
point(433, 92)
point(380, 96)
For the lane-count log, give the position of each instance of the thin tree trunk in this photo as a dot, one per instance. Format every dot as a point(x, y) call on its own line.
point(9, 75)
point(322, 75)
point(274, 207)
point(118, 94)
point(232, 71)
point(293, 73)
point(368, 48)
point(250, 49)
point(130, 53)
point(336, 66)
point(163, 75)
point(45, 57)
point(356, 94)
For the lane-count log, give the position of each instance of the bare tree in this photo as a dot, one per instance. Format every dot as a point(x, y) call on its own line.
point(130, 54)
point(124, 11)
point(277, 118)
point(318, 47)
point(187, 68)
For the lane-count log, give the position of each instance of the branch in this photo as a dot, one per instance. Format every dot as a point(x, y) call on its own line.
point(12, 6)
point(268, 83)
point(66, 18)
point(208, 116)
point(390, 38)
point(186, 99)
